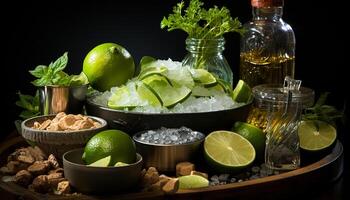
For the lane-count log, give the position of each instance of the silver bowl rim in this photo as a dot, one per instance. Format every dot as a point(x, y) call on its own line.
point(167, 145)
point(89, 101)
point(139, 160)
point(102, 121)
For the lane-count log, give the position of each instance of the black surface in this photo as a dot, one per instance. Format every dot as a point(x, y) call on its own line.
point(35, 33)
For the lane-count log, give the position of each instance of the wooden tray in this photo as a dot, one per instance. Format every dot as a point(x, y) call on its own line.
point(327, 169)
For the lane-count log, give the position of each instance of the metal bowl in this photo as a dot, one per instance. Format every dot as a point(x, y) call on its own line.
point(100, 180)
point(165, 156)
point(133, 122)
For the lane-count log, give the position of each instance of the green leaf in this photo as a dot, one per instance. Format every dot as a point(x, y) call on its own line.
point(30, 105)
point(145, 61)
point(39, 71)
point(60, 63)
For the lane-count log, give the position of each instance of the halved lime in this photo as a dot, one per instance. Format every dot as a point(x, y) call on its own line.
point(192, 181)
point(203, 77)
point(120, 164)
point(228, 152)
point(124, 97)
point(242, 92)
point(104, 162)
point(316, 135)
point(147, 93)
point(253, 134)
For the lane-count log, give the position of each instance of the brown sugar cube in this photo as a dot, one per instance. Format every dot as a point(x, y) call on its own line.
point(15, 166)
point(23, 178)
point(39, 168)
point(36, 125)
point(202, 174)
point(171, 186)
point(54, 179)
point(65, 122)
point(150, 177)
point(26, 159)
point(184, 168)
point(63, 187)
point(58, 170)
point(58, 117)
point(40, 184)
point(53, 161)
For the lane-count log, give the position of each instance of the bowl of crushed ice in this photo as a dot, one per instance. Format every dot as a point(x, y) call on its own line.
point(164, 147)
point(170, 95)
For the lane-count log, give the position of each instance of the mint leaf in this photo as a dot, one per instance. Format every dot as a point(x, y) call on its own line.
point(39, 71)
point(60, 63)
point(29, 104)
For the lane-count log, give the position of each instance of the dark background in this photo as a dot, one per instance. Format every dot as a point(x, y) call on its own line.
point(37, 33)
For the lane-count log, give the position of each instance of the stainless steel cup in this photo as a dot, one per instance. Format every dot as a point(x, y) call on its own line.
point(55, 99)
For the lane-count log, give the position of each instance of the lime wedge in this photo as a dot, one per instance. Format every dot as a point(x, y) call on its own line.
point(104, 162)
point(147, 93)
point(242, 92)
point(180, 77)
point(150, 70)
point(124, 97)
point(120, 164)
point(316, 135)
point(253, 134)
point(146, 61)
point(192, 181)
point(228, 152)
point(168, 94)
point(200, 91)
point(225, 85)
point(203, 77)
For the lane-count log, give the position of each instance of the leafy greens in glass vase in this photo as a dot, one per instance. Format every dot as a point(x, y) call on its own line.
point(205, 41)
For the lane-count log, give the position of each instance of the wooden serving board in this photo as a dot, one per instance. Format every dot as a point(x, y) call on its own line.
point(327, 169)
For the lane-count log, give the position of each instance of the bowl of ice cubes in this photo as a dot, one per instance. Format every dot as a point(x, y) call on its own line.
point(163, 148)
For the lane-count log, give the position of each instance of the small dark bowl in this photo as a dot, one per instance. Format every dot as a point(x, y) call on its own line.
point(58, 142)
point(133, 122)
point(100, 180)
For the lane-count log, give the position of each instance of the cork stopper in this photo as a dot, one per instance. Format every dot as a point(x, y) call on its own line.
point(266, 3)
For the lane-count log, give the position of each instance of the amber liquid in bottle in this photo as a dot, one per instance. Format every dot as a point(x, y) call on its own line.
point(256, 69)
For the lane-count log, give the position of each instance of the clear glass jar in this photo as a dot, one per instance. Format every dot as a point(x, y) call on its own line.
point(282, 107)
point(207, 54)
point(268, 45)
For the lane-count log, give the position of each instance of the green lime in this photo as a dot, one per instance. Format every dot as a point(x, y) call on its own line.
point(120, 164)
point(242, 92)
point(180, 77)
point(253, 134)
point(151, 70)
point(104, 162)
point(192, 181)
point(203, 77)
point(316, 135)
point(108, 65)
point(124, 97)
point(147, 93)
point(168, 94)
point(114, 143)
point(228, 152)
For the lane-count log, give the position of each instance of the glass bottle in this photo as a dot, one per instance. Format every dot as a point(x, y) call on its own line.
point(268, 46)
point(207, 54)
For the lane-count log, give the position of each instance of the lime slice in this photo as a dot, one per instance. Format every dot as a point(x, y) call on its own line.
point(180, 77)
point(200, 91)
point(150, 70)
point(148, 94)
point(104, 162)
point(168, 94)
point(155, 77)
point(316, 135)
point(146, 61)
point(120, 164)
point(228, 152)
point(242, 92)
point(253, 134)
point(203, 77)
point(124, 97)
point(226, 86)
point(192, 181)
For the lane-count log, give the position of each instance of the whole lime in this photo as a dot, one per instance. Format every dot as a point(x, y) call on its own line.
point(114, 143)
point(108, 65)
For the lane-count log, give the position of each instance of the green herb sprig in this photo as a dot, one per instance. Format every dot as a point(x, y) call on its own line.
point(54, 74)
point(200, 23)
point(30, 105)
point(321, 111)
